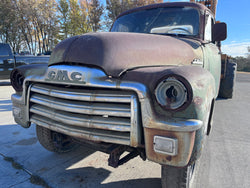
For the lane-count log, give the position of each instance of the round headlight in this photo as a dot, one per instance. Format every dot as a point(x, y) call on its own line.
point(16, 79)
point(173, 93)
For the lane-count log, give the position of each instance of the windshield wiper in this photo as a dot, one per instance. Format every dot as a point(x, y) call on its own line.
point(169, 34)
point(175, 35)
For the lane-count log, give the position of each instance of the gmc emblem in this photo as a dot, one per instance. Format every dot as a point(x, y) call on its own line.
point(63, 75)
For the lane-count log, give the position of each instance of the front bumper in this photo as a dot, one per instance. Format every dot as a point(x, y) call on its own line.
point(180, 143)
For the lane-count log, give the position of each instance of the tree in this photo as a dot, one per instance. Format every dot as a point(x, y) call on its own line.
point(95, 15)
point(63, 8)
point(37, 26)
point(10, 25)
point(85, 7)
point(47, 23)
point(95, 11)
point(243, 63)
point(248, 54)
point(77, 19)
point(23, 9)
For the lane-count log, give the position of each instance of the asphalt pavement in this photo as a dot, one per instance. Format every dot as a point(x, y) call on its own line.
point(224, 163)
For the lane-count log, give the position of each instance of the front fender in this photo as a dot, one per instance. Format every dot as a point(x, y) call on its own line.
point(201, 81)
point(19, 83)
point(188, 125)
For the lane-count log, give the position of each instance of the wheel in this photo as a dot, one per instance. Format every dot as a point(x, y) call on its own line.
point(174, 177)
point(227, 83)
point(54, 141)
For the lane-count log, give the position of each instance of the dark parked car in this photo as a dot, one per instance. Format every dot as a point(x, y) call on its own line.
point(8, 61)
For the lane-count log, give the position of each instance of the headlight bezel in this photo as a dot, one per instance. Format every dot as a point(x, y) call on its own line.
point(163, 91)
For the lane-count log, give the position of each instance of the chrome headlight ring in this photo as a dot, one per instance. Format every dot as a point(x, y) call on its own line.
point(174, 93)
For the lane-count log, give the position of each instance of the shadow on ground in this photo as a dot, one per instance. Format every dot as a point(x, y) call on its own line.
point(5, 105)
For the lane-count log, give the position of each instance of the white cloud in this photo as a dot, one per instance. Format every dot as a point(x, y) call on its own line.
point(235, 49)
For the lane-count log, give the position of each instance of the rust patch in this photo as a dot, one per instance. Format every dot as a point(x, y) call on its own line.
point(169, 158)
point(198, 101)
point(200, 84)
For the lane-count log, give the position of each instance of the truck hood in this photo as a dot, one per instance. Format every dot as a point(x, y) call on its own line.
point(118, 52)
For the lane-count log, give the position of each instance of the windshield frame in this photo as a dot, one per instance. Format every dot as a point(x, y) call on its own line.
point(201, 9)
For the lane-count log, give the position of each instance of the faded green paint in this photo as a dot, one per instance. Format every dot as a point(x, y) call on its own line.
point(212, 62)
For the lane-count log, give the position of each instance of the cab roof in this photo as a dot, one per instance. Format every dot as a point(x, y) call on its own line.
point(169, 4)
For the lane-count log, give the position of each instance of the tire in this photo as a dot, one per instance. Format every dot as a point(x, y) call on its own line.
point(227, 83)
point(54, 141)
point(174, 177)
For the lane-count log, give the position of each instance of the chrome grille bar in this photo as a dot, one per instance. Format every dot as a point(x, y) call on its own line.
point(90, 113)
point(97, 95)
point(80, 120)
point(89, 134)
point(82, 107)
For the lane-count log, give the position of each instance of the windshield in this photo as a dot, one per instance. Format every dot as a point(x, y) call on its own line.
point(180, 20)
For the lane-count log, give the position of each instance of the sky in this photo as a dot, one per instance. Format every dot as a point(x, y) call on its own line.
point(236, 13)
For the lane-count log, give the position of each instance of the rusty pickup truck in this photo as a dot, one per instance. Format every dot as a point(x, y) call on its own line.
point(146, 88)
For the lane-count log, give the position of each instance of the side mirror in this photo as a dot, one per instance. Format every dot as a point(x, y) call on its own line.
point(219, 32)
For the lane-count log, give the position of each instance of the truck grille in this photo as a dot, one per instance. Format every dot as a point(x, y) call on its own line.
point(88, 113)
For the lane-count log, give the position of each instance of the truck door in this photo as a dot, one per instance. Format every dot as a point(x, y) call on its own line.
point(212, 57)
point(7, 61)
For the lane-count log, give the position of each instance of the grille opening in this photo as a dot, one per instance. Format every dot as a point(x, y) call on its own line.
point(90, 113)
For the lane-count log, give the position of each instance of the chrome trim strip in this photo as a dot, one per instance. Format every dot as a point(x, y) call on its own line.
point(180, 125)
point(90, 134)
point(79, 120)
point(80, 95)
point(136, 129)
point(82, 107)
point(92, 77)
